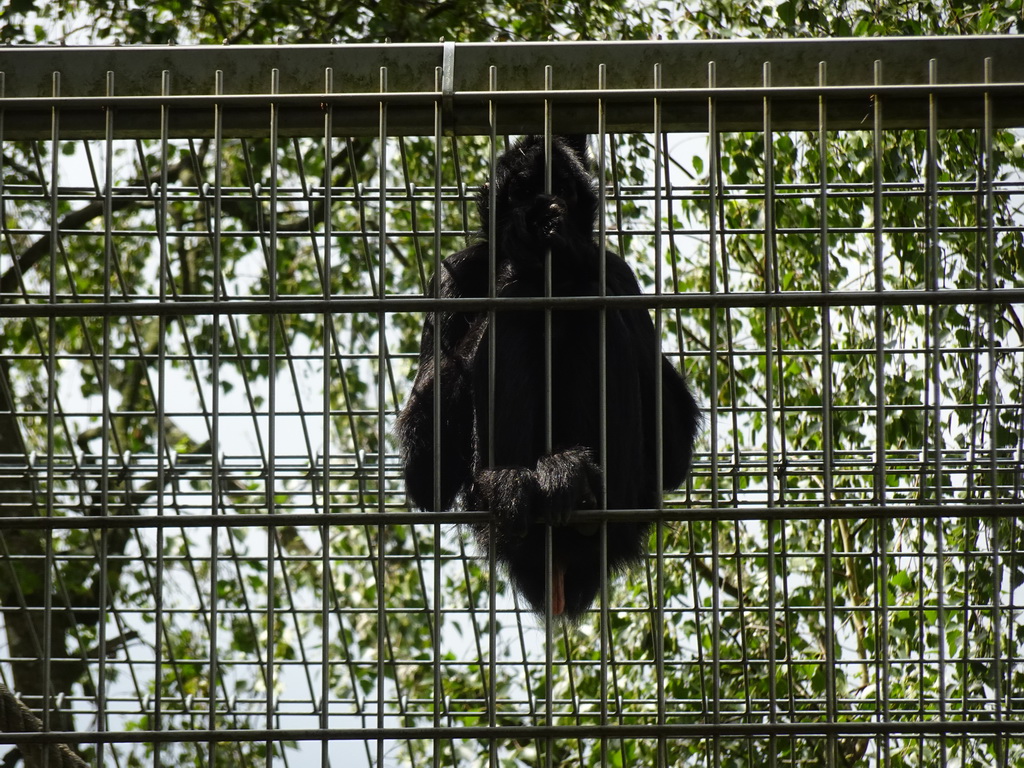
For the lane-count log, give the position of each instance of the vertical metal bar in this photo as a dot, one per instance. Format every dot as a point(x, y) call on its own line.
point(770, 286)
point(939, 568)
point(826, 287)
point(602, 399)
point(436, 318)
point(998, 670)
point(933, 358)
point(774, 396)
point(990, 284)
point(273, 322)
point(492, 291)
point(826, 416)
point(324, 714)
point(769, 443)
point(659, 601)
point(975, 484)
point(381, 362)
point(882, 684)
point(714, 196)
point(106, 418)
point(769, 270)
point(162, 456)
point(215, 457)
point(548, 418)
point(51, 405)
point(932, 268)
point(438, 218)
point(548, 412)
point(492, 270)
point(444, 77)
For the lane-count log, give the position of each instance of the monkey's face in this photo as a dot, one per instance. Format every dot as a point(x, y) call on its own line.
point(532, 222)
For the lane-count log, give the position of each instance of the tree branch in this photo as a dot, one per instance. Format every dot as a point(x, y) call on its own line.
point(10, 281)
point(15, 717)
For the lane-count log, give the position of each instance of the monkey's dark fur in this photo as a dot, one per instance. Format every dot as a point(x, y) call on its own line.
point(524, 485)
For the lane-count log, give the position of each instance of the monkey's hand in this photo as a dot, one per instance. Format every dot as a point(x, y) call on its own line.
point(509, 493)
point(567, 481)
point(546, 217)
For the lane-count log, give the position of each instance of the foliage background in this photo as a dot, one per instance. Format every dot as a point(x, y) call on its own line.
point(913, 634)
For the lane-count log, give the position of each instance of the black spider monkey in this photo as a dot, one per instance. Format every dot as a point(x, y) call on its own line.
point(529, 483)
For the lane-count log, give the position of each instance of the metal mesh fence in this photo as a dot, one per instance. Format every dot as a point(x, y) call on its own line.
point(213, 273)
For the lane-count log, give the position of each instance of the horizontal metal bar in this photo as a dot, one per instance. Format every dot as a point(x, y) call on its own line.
point(938, 728)
point(323, 100)
point(686, 109)
point(302, 72)
point(459, 517)
point(81, 306)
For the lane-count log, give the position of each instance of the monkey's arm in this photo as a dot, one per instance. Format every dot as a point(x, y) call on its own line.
point(447, 376)
point(680, 415)
point(680, 418)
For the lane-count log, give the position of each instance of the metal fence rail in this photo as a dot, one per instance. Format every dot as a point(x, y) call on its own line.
point(193, 89)
point(214, 265)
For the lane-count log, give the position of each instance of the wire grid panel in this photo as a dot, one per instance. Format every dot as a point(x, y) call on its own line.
point(207, 550)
